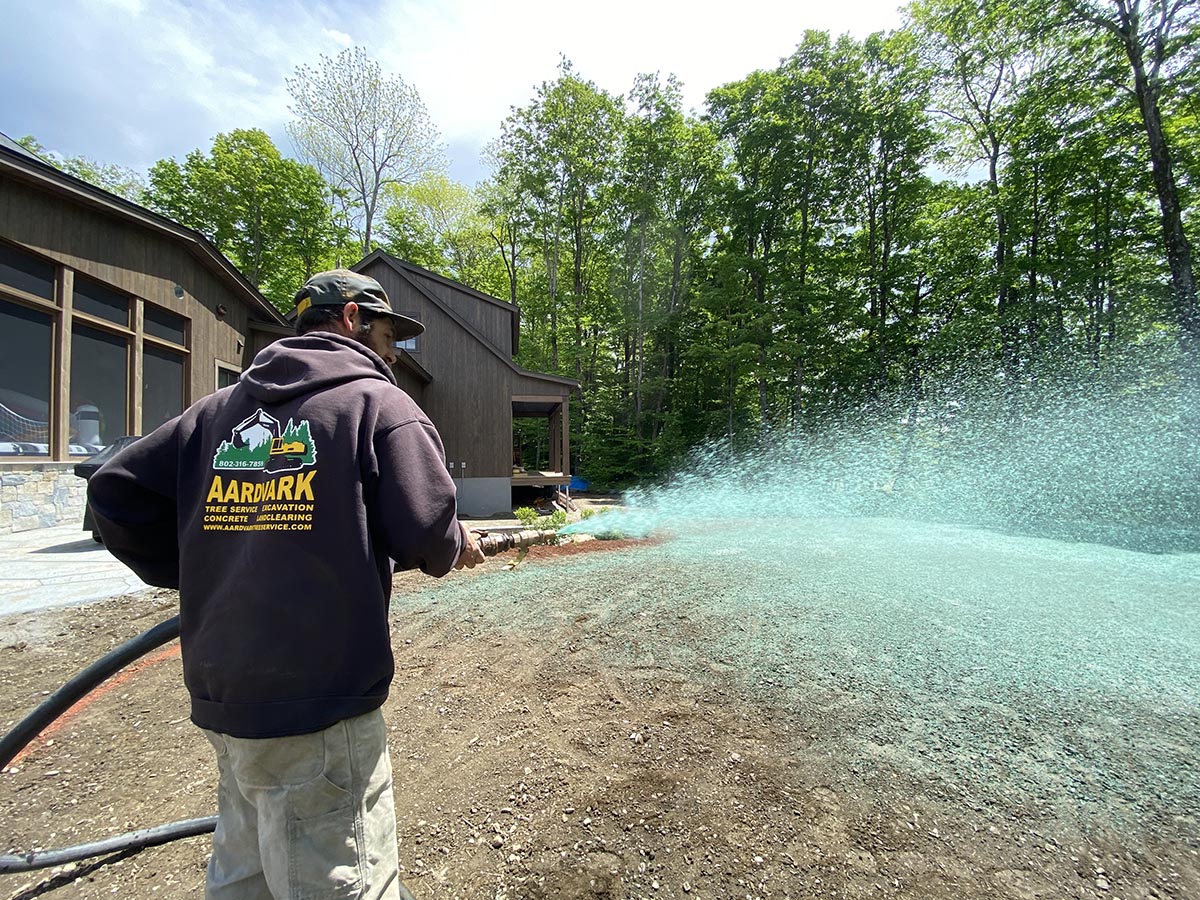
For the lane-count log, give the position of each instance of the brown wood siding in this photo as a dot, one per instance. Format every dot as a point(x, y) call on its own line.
point(256, 341)
point(537, 387)
point(469, 400)
point(411, 385)
point(262, 335)
point(470, 396)
point(139, 261)
point(404, 298)
point(492, 321)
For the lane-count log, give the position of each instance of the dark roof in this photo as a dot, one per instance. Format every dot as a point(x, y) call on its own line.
point(404, 265)
point(27, 167)
point(407, 271)
point(450, 282)
point(406, 360)
point(9, 144)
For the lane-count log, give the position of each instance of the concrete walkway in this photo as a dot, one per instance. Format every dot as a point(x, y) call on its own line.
point(60, 566)
point(46, 568)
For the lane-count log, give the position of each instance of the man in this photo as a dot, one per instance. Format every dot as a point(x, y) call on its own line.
point(276, 506)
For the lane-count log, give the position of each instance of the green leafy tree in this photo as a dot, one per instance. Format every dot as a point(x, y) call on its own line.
point(503, 206)
point(896, 143)
point(120, 180)
point(791, 134)
point(667, 170)
point(651, 135)
point(1158, 40)
point(560, 151)
point(437, 223)
point(981, 57)
point(1084, 253)
point(270, 215)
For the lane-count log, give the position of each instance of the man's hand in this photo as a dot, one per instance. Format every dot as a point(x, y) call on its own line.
point(471, 553)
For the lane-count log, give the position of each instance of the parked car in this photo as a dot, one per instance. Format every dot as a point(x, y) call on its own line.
point(85, 469)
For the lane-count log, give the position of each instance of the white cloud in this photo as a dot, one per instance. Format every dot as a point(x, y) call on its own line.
point(472, 60)
point(174, 73)
point(134, 7)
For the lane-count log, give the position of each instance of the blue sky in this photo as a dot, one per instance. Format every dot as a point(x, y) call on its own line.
point(133, 81)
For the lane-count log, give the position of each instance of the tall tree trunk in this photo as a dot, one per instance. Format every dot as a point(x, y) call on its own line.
point(552, 276)
point(1098, 286)
point(875, 334)
point(730, 386)
point(1000, 255)
point(509, 255)
point(369, 208)
point(1179, 251)
point(798, 390)
point(512, 274)
point(1031, 316)
point(577, 282)
point(887, 227)
point(1126, 27)
point(638, 353)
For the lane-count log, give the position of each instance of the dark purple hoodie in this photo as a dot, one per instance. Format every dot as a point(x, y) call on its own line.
point(275, 506)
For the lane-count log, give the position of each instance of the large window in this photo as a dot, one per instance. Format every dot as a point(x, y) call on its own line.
point(162, 386)
point(25, 355)
point(166, 325)
point(94, 299)
point(128, 370)
point(26, 273)
point(99, 385)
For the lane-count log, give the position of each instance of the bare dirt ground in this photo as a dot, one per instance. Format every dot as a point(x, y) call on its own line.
point(536, 764)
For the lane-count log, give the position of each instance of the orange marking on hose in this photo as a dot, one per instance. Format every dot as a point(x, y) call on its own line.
point(113, 682)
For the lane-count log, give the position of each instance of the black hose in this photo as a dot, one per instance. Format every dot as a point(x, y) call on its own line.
point(53, 707)
point(62, 699)
point(134, 840)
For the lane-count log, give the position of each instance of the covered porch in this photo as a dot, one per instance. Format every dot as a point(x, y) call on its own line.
point(549, 469)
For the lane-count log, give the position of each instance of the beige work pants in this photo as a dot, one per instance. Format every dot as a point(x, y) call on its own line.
point(306, 817)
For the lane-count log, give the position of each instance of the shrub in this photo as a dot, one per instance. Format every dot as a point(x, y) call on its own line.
point(527, 515)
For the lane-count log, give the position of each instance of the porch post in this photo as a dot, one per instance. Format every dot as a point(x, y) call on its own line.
point(554, 421)
point(565, 418)
point(59, 437)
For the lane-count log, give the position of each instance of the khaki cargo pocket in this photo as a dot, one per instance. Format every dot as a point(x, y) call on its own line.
point(323, 858)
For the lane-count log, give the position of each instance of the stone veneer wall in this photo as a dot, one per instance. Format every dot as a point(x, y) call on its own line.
point(40, 496)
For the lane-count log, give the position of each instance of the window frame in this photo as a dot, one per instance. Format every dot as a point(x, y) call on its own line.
point(125, 334)
point(223, 366)
point(415, 339)
point(93, 319)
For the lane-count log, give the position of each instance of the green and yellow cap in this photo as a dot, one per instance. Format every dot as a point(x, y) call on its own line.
point(338, 287)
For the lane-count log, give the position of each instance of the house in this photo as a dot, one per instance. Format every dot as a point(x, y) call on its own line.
point(113, 319)
point(461, 372)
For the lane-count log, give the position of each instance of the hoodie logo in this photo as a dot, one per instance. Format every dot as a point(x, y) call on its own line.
point(259, 444)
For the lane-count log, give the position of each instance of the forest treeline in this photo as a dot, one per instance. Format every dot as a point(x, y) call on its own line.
point(1009, 186)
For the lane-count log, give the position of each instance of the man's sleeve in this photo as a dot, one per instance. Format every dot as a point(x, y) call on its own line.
point(133, 502)
point(416, 509)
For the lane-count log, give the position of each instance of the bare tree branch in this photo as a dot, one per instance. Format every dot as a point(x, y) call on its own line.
point(362, 130)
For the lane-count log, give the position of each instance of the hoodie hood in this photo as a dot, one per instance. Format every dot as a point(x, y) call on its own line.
point(311, 362)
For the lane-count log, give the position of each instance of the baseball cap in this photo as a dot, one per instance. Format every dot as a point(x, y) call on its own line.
point(340, 286)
